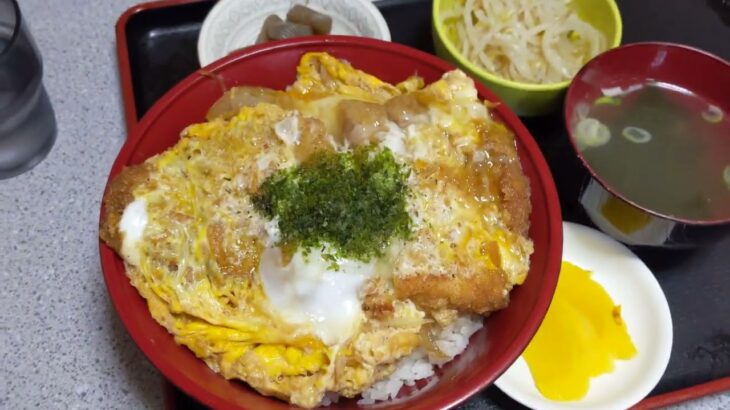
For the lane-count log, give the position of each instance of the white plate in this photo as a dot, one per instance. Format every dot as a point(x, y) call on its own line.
point(234, 24)
point(644, 309)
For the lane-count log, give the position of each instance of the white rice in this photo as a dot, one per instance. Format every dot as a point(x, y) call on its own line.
point(452, 341)
point(414, 367)
point(455, 337)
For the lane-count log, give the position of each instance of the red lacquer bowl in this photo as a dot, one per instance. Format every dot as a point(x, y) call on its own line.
point(491, 351)
point(689, 69)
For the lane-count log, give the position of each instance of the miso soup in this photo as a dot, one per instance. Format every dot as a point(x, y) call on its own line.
point(660, 146)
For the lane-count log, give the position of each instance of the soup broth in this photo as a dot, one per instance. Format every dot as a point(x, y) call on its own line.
point(662, 147)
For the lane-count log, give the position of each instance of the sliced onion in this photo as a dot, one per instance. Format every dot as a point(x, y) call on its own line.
point(581, 110)
point(618, 91)
point(612, 92)
point(636, 135)
point(633, 87)
point(713, 114)
point(589, 132)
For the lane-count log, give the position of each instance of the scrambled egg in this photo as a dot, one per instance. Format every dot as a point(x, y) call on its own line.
point(288, 322)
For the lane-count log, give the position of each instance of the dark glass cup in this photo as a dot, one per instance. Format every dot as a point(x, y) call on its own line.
point(27, 121)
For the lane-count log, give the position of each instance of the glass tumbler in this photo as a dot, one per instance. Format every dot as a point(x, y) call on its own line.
point(27, 121)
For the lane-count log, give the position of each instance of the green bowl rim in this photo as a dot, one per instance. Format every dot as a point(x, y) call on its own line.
point(439, 27)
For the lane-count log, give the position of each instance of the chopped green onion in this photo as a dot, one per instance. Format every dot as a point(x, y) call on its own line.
point(713, 114)
point(607, 100)
point(589, 132)
point(636, 135)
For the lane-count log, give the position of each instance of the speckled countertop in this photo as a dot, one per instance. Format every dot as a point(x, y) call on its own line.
point(62, 345)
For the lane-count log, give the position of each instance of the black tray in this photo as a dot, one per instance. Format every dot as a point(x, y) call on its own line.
point(157, 48)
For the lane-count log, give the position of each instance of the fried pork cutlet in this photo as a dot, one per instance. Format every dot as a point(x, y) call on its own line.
point(480, 281)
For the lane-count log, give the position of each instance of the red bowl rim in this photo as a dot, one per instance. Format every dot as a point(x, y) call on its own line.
point(567, 111)
point(554, 223)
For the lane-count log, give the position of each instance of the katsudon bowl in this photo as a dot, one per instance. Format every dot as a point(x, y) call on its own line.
point(491, 350)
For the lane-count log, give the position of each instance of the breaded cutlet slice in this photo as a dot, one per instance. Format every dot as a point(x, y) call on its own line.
point(467, 284)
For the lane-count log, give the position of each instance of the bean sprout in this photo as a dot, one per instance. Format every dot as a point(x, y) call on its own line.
point(534, 41)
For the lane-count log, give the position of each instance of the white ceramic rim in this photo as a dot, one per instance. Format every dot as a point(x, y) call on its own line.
point(204, 38)
point(513, 382)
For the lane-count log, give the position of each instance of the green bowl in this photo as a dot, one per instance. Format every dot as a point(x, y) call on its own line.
point(526, 99)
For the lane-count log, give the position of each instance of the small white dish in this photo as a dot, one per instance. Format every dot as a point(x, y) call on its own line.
point(644, 308)
point(234, 24)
